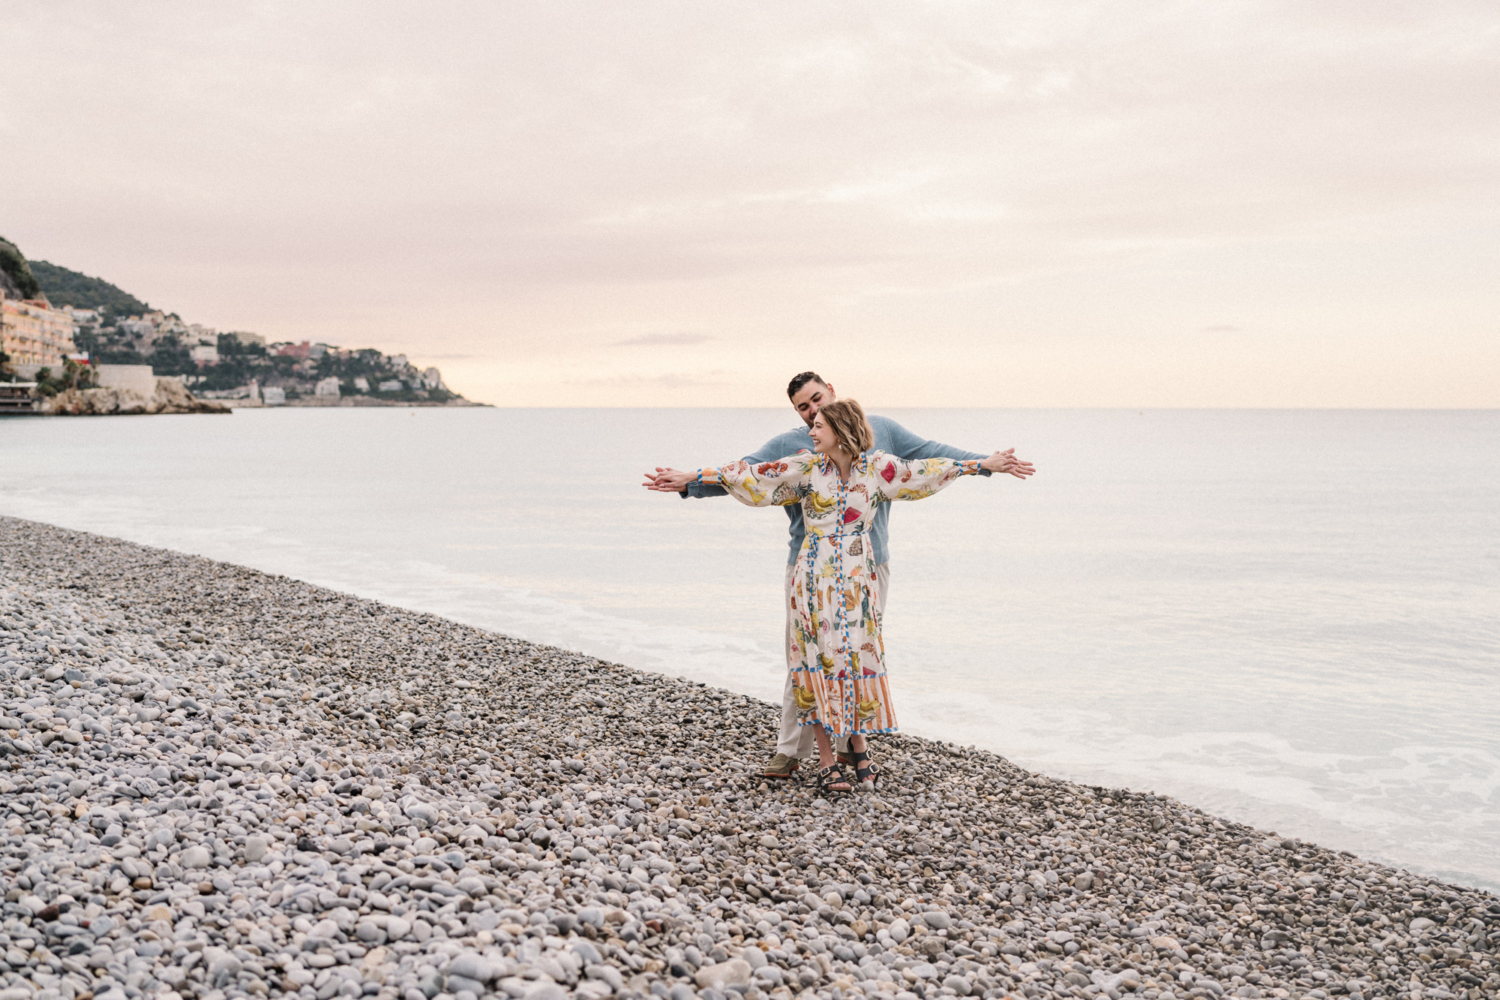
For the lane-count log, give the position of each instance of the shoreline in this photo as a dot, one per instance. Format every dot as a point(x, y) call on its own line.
point(345, 402)
point(522, 821)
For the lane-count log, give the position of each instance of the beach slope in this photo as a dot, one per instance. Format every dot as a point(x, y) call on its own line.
point(220, 783)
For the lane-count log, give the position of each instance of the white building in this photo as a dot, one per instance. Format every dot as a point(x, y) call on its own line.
point(273, 396)
point(173, 326)
point(361, 383)
point(328, 387)
point(433, 379)
point(138, 379)
point(205, 355)
point(392, 385)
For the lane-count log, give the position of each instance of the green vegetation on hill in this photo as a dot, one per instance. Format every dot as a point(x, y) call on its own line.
point(15, 276)
point(70, 288)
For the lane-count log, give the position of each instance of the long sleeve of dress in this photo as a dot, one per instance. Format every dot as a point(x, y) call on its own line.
point(915, 479)
point(776, 483)
point(785, 443)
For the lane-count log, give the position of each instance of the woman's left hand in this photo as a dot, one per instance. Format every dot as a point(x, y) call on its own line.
point(1006, 461)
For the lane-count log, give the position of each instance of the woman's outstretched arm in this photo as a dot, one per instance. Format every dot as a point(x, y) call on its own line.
point(915, 479)
point(764, 484)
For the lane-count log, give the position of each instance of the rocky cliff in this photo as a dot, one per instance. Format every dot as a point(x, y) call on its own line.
point(170, 397)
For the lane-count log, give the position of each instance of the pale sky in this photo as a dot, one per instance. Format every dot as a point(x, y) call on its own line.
point(934, 204)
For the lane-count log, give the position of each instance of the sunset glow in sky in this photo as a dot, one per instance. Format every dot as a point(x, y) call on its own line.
point(935, 204)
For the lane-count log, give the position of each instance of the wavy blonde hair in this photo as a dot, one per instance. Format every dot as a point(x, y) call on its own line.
point(846, 418)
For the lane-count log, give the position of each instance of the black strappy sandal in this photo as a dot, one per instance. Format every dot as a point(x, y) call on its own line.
point(866, 771)
point(830, 776)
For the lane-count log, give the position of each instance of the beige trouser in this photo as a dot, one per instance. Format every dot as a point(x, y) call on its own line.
point(798, 741)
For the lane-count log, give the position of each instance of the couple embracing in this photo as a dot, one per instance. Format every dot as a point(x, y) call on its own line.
point(836, 478)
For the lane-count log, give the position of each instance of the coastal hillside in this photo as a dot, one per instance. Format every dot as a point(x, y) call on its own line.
point(113, 326)
point(224, 783)
point(16, 278)
point(65, 287)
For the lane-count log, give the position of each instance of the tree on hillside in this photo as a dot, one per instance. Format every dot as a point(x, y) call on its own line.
point(171, 357)
point(65, 287)
point(15, 276)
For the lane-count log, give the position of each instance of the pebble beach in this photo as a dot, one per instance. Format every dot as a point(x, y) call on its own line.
point(217, 783)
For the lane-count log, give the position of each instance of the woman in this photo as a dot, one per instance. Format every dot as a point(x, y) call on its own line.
point(836, 656)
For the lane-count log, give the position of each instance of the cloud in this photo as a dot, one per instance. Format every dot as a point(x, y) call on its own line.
point(663, 340)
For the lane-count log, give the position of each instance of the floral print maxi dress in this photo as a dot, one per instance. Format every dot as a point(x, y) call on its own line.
point(836, 656)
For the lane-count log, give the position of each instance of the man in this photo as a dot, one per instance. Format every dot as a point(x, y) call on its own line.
point(808, 393)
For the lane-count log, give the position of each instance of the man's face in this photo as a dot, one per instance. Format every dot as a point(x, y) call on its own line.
point(810, 399)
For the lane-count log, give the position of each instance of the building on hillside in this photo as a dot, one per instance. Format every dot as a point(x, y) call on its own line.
point(173, 326)
point(361, 383)
point(205, 355)
point(433, 379)
point(299, 351)
point(33, 333)
point(248, 394)
point(247, 338)
point(392, 385)
point(273, 396)
point(138, 327)
point(328, 387)
point(398, 362)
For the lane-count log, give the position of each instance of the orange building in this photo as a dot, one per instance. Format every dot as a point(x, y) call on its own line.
point(33, 333)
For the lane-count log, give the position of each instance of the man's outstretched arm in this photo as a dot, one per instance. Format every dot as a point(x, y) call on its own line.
point(905, 444)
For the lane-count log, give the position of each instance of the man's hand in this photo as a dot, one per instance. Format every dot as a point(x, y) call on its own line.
point(1006, 461)
point(668, 480)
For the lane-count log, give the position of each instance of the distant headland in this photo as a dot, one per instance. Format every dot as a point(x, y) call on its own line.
point(75, 344)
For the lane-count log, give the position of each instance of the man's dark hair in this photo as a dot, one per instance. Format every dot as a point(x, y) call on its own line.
point(796, 384)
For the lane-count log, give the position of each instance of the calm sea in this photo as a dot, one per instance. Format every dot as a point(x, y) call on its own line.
point(1288, 618)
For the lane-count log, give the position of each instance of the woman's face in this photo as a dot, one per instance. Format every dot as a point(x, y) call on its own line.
point(824, 443)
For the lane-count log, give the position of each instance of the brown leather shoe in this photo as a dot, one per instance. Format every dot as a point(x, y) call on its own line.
point(781, 767)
